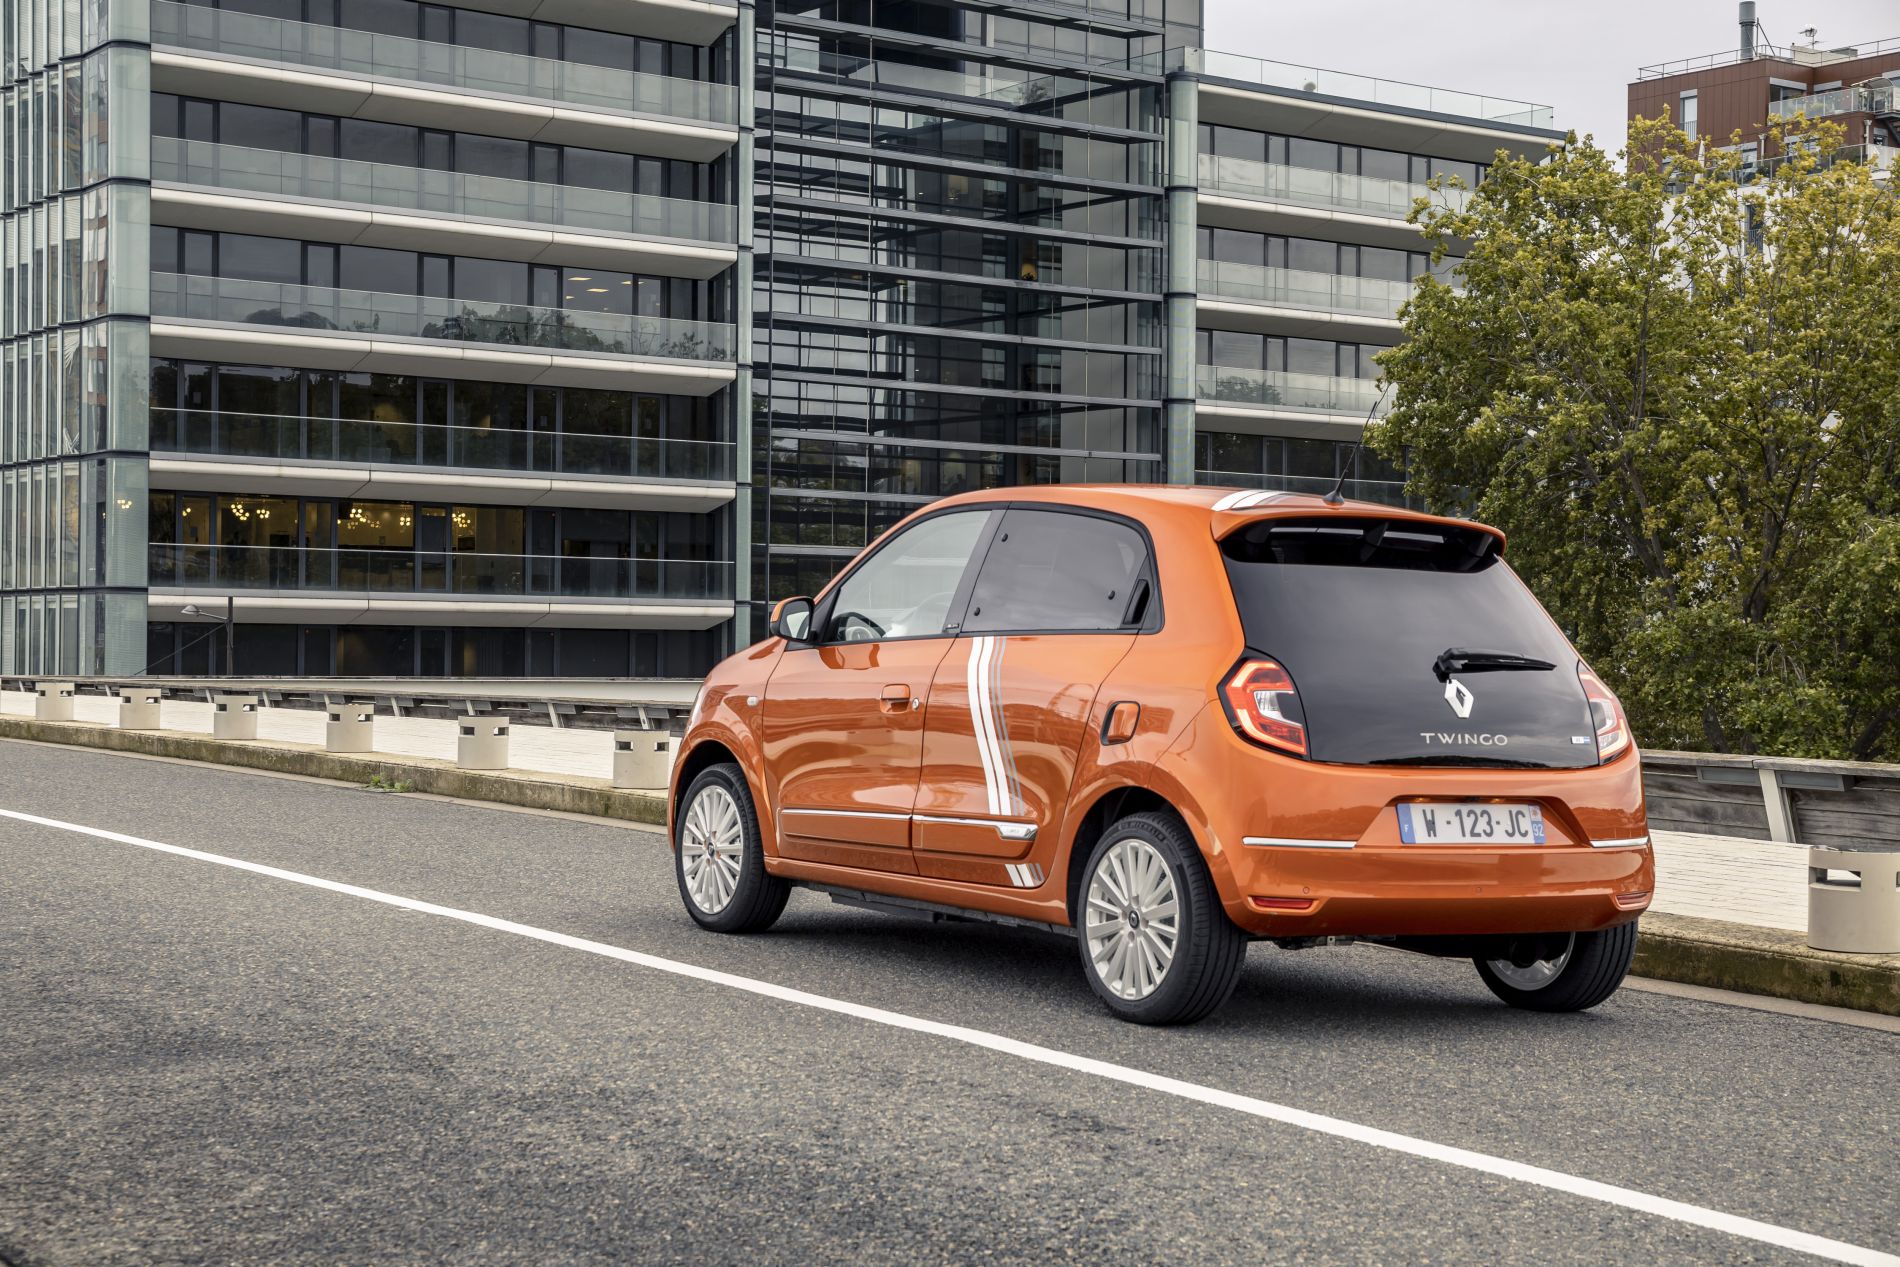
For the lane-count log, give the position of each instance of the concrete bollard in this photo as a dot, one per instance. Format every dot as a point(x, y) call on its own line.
point(1854, 899)
point(481, 743)
point(52, 701)
point(234, 717)
point(138, 708)
point(350, 728)
point(642, 758)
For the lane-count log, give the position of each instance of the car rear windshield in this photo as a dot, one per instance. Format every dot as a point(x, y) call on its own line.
point(1359, 610)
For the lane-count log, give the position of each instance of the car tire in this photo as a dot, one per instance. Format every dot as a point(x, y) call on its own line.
point(1589, 971)
point(1147, 861)
point(719, 857)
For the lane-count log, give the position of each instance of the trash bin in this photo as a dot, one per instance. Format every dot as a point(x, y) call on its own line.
point(52, 701)
point(234, 717)
point(481, 743)
point(642, 758)
point(350, 728)
point(1854, 899)
point(138, 708)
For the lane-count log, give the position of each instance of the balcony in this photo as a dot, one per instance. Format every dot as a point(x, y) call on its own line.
point(1277, 389)
point(477, 79)
point(439, 573)
point(1383, 492)
point(440, 195)
point(1309, 187)
point(1364, 297)
point(339, 329)
point(281, 437)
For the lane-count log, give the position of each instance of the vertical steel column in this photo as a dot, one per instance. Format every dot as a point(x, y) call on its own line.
point(744, 63)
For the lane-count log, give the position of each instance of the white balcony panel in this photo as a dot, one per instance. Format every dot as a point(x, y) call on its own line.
point(327, 479)
point(325, 350)
point(1305, 323)
point(198, 74)
point(275, 216)
point(420, 609)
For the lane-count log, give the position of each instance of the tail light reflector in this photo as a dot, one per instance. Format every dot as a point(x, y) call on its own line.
point(1606, 714)
point(1265, 707)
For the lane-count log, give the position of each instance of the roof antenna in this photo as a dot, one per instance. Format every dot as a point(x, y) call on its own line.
point(1336, 498)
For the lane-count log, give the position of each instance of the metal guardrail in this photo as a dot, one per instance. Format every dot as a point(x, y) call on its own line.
point(578, 703)
point(1790, 799)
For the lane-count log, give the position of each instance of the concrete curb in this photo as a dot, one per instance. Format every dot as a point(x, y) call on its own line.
point(566, 793)
point(1767, 961)
point(1670, 948)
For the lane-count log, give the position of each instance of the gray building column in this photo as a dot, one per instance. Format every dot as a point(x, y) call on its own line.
point(1183, 186)
point(744, 58)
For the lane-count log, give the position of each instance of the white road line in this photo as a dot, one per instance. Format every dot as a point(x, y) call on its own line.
point(1484, 1163)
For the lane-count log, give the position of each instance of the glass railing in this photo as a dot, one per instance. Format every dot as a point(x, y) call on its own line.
point(456, 194)
point(436, 317)
point(1288, 391)
point(400, 571)
point(230, 433)
point(197, 26)
point(1308, 186)
point(1339, 83)
point(1384, 492)
point(1298, 288)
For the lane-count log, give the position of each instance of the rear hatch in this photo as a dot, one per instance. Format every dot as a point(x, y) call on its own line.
point(1361, 611)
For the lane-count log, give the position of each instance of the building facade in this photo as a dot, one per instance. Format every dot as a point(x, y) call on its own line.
point(554, 337)
point(1736, 98)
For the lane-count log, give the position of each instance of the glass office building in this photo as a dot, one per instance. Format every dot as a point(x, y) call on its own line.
point(556, 338)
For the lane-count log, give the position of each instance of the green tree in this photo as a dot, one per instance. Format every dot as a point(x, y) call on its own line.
point(1676, 386)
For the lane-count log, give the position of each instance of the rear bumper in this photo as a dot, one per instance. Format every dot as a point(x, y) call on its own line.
point(1418, 891)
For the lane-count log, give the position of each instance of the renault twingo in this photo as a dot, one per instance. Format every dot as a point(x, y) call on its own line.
point(1172, 720)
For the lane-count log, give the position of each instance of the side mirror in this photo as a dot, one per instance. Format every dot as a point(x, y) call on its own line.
point(791, 619)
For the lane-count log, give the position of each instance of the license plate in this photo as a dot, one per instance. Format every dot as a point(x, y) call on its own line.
point(1456, 823)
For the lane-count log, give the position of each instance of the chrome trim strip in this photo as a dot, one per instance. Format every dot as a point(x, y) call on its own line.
point(1628, 842)
point(1294, 842)
point(1008, 831)
point(846, 813)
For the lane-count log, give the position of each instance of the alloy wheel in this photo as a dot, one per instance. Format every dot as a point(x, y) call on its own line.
point(1538, 973)
point(712, 847)
point(1133, 919)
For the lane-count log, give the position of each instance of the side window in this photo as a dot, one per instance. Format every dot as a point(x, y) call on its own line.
point(1048, 570)
point(905, 589)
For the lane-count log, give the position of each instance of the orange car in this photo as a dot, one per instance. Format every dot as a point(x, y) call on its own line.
point(1176, 719)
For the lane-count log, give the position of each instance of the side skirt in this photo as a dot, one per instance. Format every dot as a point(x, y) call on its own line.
point(934, 912)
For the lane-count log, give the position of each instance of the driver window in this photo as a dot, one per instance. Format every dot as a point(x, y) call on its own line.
point(904, 590)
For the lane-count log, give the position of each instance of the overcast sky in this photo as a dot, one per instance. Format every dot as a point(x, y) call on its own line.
point(1577, 56)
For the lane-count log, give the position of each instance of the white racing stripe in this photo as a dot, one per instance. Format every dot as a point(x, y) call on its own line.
point(1411, 1146)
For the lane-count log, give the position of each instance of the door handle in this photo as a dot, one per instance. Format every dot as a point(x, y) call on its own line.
point(897, 698)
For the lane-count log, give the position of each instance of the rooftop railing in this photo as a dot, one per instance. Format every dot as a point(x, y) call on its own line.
point(234, 433)
point(197, 26)
point(1339, 83)
point(1311, 187)
point(1800, 55)
point(1278, 388)
point(437, 317)
point(456, 194)
point(446, 572)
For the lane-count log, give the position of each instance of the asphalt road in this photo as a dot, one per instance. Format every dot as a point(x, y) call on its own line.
point(201, 1064)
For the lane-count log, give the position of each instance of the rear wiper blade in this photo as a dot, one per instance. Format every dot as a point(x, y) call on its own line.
point(1469, 660)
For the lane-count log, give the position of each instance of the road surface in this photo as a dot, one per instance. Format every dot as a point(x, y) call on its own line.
point(264, 1052)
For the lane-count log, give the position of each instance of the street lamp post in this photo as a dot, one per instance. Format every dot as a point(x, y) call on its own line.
point(229, 621)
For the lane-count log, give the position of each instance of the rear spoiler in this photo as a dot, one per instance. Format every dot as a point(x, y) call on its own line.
point(1250, 506)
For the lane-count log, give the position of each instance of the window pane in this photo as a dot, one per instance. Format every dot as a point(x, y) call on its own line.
point(1049, 570)
point(260, 259)
point(904, 590)
point(260, 127)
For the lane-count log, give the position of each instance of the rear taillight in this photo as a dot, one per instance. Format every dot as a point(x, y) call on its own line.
point(1606, 714)
point(1265, 707)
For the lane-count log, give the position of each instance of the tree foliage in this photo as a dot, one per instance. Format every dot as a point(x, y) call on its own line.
point(1676, 386)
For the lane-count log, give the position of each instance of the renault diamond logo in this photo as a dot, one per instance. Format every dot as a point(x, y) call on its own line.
point(1458, 695)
